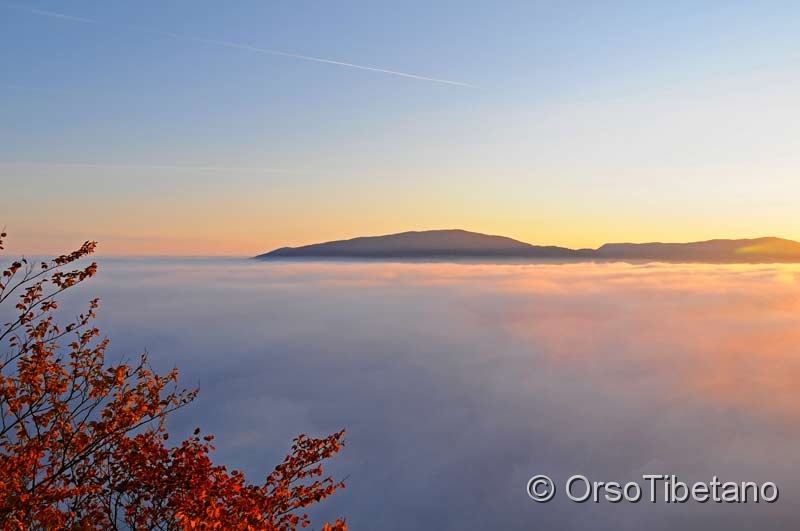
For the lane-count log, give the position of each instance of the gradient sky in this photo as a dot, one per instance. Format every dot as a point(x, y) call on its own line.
point(176, 128)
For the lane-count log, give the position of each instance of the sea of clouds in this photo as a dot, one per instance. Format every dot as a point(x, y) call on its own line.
point(458, 382)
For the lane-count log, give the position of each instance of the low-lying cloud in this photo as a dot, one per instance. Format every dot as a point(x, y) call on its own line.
point(457, 383)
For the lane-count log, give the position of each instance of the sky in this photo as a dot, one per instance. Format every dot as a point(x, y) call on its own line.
point(197, 128)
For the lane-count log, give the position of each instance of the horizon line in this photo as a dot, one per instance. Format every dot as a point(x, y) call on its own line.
point(249, 254)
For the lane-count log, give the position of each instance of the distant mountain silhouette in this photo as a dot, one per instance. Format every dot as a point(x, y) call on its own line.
point(461, 244)
point(746, 250)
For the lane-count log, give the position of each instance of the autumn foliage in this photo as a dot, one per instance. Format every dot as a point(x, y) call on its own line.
point(83, 442)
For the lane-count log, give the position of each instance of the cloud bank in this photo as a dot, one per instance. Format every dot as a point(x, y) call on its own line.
point(457, 383)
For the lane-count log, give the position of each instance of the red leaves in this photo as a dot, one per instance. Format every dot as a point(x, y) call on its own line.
point(83, 442)
point(339, 525)
point(182, 485)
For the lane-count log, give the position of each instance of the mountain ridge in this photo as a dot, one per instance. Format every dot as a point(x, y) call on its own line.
point(448, 244)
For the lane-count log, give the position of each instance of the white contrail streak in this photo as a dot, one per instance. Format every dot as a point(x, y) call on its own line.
point(239, 46)
point(247, 47)
point(53, 14)
point(24, 88)
point(10, 167)
point(179, 167)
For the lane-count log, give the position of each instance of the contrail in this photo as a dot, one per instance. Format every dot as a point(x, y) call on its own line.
point(199, 168)
point(241, 46)
point(24, 88)
point(180, 167)
point(52, 14)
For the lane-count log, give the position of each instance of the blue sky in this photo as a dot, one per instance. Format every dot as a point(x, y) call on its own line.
point(584, 122)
